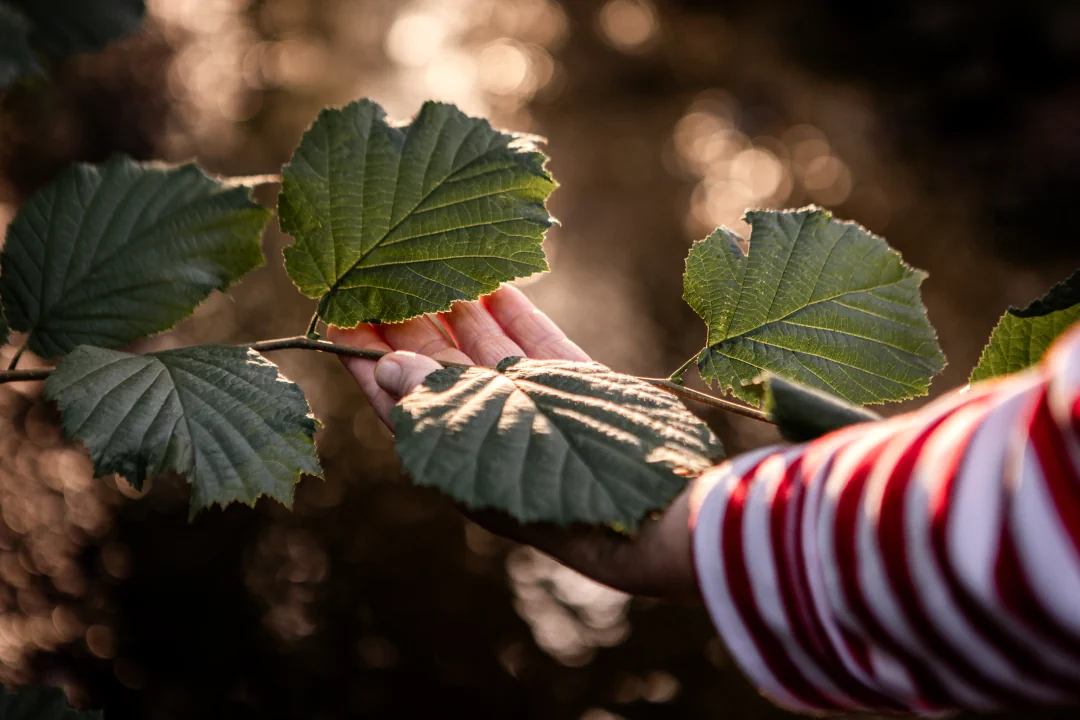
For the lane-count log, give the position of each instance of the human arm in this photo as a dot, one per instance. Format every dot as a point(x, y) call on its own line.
point(928, 562)
point(922, 563)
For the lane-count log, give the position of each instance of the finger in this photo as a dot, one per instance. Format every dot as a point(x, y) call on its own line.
point(423, 336)
point(400, 372)
point(365, 336)
point(478, 335)
point(530, 328)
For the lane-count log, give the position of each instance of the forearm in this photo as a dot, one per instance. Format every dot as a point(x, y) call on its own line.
point(926, 562)
point(654, 562)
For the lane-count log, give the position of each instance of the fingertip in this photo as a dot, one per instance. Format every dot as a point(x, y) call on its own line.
point(529, 327)
point(506, 293)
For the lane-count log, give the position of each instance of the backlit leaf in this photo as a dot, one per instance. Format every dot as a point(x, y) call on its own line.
point(107, 255)
point(392, 222)
point(40, 703)
point(548, 440)
point(816, 300)
point(1022, 336)
point(802, 413)
point(220, 414)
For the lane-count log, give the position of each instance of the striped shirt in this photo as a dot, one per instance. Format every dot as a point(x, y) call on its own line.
point(923, 563)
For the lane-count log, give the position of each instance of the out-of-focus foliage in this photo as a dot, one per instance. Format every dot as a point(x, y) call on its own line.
point(59, 28)
point(16, 55)
point(40, 703)
point(551, 441)
point(107, 255)
point(394, 222)
point(1023, 336)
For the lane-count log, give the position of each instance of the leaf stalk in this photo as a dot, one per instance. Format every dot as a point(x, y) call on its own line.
point(18, 355)
point(677, 376)
point(312, 328)
point(711, 400)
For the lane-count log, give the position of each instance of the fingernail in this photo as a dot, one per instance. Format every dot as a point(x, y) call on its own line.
point(388, 375)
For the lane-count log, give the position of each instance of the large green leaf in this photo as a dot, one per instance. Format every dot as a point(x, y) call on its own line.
point(16, 55)
point(1022, 336)
point(67, 27)
point(393, 222)
point(221, 414)
point(106, 255)
point(802, 413)
point(553, 441)
point(816, 300)
point(40, 703)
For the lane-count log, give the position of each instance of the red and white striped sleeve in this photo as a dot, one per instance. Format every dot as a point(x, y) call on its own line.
point(924, 563)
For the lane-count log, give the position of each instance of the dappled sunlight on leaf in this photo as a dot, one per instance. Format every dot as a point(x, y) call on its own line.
point(551, 440)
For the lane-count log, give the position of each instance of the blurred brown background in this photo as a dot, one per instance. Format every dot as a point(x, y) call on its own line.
point(952, 128)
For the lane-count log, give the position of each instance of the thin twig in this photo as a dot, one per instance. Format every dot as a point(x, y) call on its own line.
point(710, 400)
point(18, 354)
point(305, 343)
point(21, 375)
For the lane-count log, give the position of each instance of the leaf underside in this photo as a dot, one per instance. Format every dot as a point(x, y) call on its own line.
point(551, 441)
point(107, 255)
point(802, 413)
point(1022, 336)
point(392, 222)
point(816, 300)
point(40, 703)
point(220, 414)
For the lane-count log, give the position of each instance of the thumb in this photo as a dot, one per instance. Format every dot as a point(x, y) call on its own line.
point(398, 373)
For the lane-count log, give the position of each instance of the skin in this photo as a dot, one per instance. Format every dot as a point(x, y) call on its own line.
point(656, 562)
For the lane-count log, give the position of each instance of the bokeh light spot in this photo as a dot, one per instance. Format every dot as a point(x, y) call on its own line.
point(628, 25)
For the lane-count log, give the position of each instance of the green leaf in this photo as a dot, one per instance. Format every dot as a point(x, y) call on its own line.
point(40, 703)
point(221, 414)
point(392, 222)
point(106, 255)
point(816, 300)
point(16, 55)
point(68, 27)
point(803, 413)
point(553, 441)
point(1022, 336)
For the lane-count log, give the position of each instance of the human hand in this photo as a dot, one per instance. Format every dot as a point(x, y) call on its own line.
point(655, 562)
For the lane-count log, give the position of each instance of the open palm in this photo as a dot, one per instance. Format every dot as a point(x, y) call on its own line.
point(656, 561)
